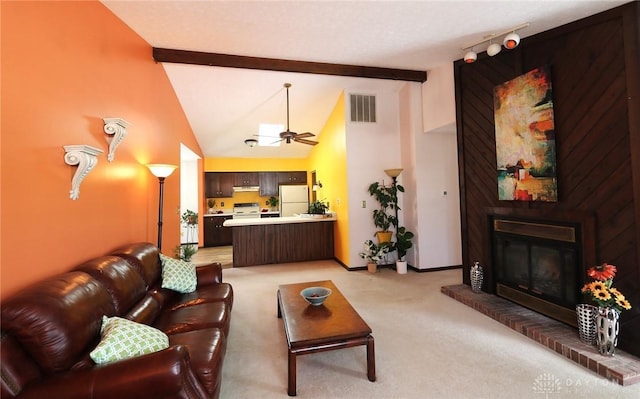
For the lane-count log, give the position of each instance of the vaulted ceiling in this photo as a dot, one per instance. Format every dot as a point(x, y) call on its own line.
point(225, 105)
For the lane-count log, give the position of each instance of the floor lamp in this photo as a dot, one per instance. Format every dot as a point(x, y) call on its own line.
point(161, 171)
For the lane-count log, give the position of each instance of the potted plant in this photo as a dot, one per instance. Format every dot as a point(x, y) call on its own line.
point(373, 253)
point(387, 197)
point(273, 202)
point(402, 244)
point(318, 207)
point(189, 219)
point(211, 202)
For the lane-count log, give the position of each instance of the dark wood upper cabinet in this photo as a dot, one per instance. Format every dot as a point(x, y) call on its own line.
point(245, 179)
point(295, 177)
point(268, 184)
point(218, 184)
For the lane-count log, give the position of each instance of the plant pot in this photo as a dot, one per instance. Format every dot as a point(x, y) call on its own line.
point(372, 267)
point(401, 266)
point(607, 330)
point(383, 236)
point(586, 315)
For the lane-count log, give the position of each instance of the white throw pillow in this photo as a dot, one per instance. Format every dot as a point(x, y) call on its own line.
point(178, 275)
point(124, 339)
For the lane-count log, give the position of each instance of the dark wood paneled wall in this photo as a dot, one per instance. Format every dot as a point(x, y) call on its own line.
point(595, 72)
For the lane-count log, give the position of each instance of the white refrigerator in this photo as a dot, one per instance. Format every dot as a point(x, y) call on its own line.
point(294, 200)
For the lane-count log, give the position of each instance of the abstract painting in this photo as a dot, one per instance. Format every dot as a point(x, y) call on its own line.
point(525, 138)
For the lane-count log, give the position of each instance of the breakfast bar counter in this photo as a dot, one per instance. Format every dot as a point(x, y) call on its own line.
point(262, 241)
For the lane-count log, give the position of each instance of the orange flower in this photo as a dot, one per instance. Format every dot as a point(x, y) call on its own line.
point(602, 272)
point(597, 286)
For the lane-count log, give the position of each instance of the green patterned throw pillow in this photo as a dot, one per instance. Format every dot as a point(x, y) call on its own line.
point(178, 275)
point(124, 339)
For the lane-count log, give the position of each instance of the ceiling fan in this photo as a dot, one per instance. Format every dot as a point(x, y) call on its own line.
point(288, 135)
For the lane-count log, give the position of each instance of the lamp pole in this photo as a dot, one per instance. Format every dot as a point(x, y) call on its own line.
point(161, 171)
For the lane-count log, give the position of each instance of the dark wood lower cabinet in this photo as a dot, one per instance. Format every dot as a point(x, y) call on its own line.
point(215, 234)
point(282, 243)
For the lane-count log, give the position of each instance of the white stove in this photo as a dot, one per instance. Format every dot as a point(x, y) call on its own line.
point(246, 210)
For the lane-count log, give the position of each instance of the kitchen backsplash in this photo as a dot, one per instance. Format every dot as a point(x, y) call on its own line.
point(249, 196)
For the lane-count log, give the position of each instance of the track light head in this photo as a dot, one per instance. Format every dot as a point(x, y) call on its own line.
point(511, 41)
point(493, 49)
point(470, 57)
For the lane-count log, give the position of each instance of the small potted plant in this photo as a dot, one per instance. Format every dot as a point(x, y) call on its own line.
point(373, 253)
point(211, 202)
point(318, 208)
point(273, 202)
point(402, 244)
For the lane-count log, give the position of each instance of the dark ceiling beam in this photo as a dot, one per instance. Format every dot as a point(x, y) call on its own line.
point(271, 64)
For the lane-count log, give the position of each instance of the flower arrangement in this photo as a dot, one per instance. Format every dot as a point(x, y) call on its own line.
point(601, 290)
point(373, 252)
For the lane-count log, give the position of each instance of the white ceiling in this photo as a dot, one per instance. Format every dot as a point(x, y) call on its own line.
point(225, 105)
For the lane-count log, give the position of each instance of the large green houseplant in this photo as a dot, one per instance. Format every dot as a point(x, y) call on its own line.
point(402, 245)
point(384, 216)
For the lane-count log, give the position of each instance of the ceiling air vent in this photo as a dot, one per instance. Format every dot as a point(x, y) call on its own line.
point(363, 108)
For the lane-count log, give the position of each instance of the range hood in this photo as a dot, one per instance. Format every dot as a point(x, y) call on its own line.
point(240, 189)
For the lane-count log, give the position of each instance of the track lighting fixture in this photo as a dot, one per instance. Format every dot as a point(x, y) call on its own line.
point(470, 57)
point(510, 41)
point(493, 49)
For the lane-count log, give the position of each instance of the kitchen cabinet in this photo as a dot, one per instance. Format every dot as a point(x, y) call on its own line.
point(215, 234)
point(218, 184)
point(268, 184)
point(295, 177)
point(245, 179)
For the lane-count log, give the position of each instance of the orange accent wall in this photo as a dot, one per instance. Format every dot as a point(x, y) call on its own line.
point(65, 66)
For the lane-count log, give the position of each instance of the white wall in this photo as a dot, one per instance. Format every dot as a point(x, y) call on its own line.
point(371, 148)
point(438, 215)
point(188, 190)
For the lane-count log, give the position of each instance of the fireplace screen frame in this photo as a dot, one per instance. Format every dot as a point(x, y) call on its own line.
point(564, 238)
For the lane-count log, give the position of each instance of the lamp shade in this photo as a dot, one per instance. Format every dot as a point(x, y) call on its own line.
point(470, 57)
point(511, 41)
point(493, 49)
point(393, 172)
point(161, 169)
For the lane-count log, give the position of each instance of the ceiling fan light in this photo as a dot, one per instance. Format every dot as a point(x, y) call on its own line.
point(511, 41)
point(251, 142)
point(493, 49)
point(470, 57)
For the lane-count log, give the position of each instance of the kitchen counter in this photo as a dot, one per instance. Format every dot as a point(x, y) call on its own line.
point(262, 241)
point(278, 220)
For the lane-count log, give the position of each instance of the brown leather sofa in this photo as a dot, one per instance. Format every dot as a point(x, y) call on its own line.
point(49, 329)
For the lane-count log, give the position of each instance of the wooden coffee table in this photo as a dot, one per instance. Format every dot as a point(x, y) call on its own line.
point(310, 329)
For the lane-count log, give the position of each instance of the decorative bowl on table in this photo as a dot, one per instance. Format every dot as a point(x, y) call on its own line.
point(315, 295)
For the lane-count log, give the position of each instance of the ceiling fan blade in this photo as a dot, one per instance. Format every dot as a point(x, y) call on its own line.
point(305, 135)
point(305, 141)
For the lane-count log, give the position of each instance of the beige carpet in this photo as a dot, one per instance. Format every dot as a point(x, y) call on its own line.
point(427, 344)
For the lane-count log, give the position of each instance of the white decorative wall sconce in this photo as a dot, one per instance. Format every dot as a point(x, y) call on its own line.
point(85, 157)
point(118, 129)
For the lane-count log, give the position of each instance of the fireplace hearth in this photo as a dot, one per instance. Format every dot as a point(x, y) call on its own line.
point(538, 261)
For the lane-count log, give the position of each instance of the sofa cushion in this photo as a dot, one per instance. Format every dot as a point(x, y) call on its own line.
point(178, 275)
point(119, 277)
point(59, 319)
point(205, 315)
point(124, 339)
point(143, 256)
point(222, 292)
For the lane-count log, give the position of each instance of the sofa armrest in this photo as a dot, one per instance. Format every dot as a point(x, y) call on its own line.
point(166, 374)
point(209, 274)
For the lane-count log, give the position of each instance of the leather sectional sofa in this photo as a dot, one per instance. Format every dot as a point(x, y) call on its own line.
point(50, 328)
